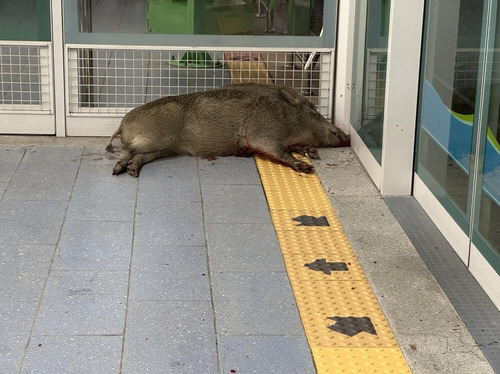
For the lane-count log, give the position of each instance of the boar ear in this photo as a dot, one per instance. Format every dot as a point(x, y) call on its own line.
point(292, 96)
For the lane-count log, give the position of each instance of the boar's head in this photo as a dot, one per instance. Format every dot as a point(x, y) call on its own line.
point(325, 134)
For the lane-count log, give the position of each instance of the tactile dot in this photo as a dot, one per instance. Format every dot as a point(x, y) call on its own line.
point(360, 360)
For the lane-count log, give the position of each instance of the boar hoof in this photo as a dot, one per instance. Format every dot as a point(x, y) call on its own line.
point(303, 167)
point(118, 169)
point(133, 170)
point(312, 153)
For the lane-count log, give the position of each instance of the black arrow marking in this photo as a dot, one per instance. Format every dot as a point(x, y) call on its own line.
point(311, 221)
point(351, 326)
point(327, 267)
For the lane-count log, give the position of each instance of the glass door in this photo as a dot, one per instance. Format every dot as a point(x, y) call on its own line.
point(486, 184)
point(26, 95)
point(458, 156)
point(370, 55)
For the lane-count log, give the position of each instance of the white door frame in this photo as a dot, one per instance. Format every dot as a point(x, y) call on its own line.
point(56, 10)
point(395, 176)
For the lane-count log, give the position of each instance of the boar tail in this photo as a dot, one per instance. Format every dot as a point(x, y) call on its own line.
point(109, 147)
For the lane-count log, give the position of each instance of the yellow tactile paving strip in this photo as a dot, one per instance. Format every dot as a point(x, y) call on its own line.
point(344, 324)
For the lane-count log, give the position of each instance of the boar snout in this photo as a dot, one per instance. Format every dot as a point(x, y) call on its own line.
point(338, 138)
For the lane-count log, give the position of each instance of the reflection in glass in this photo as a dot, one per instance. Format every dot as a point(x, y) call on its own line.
point(202, 17)
point(448, 102)
point(25, 20)
point(452, 146)
point(370, 56)
point(486, 235)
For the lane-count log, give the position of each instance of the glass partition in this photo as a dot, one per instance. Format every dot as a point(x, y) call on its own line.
point(306, 23)
point(370, 56)
point(486, 217)
point(458, 127)
point(27, 20)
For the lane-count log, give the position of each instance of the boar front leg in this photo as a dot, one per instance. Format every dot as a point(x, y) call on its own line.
point(277, 151)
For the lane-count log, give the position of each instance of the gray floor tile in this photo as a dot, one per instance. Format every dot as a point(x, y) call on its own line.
point(176, 211)
point(175, 223)
point(170, 337)
point(346, 176)
point(33, 211)
point(172, 178)
point(178, 168)
point(235, 204)
point(10, 156)
point(16, 319)
point(83, 303)
point(265, 354)
point(97, 165)
point(103, 199)
point(24, 270)
point(50, 157)
point(102, 208)
point(258, 303)
point(34, 182)
point(25, 231)
point(102, 172)
point(169, 273)
point(170, 190)
point(243, 248)
point(94, 245)
point(73, 354)
point(229, 170)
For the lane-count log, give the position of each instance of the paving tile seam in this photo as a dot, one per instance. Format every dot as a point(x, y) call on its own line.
point(74, 335)
point(54, 255)
point(217, 347)
point(346, 307)
point(2, 197)
point(129, 280)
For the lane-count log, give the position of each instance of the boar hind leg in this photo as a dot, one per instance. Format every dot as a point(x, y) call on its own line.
point(121, 165)
point(278, 152)
point(304, 150)
point(135, 164)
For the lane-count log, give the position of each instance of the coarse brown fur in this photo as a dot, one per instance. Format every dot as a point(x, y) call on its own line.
point(239, 119)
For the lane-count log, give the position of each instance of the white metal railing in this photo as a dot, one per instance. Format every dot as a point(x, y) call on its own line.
point(111, 80)
point(25, 77)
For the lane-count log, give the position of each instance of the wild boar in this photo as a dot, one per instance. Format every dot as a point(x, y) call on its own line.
point(235, 120)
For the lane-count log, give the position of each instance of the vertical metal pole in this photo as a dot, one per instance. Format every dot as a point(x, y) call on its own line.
point(270, 16)
point(85, 56)
point(58, 66)
point(270, 21)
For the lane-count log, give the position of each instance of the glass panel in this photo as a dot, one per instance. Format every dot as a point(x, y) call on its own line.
point(202, 22)
point(486, 234)
point(203, 17)
point(370, 56)
point(25, 20)
point(451, 72)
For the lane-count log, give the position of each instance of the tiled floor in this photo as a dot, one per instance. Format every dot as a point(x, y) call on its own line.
point(180, 271)
point(177, 271)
